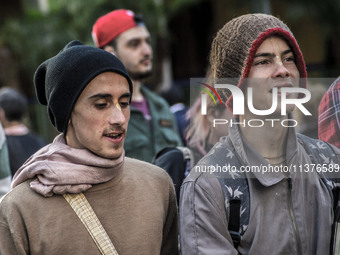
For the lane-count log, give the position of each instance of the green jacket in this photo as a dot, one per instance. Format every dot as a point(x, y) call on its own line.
point(5, 173)
point(143, 142)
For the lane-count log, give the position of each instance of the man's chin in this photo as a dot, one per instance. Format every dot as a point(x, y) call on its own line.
point(114, 156)
point(111, 155)
point(140, 75)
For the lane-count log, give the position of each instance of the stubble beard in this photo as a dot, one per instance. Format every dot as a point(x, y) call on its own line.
point(140, 76)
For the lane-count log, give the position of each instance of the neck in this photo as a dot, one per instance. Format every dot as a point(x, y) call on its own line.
point(269, 140)
point(137, 95)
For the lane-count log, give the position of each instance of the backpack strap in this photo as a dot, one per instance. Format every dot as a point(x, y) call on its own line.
point(234, 221)
point(188, 158)
point(320, 153)
point(235, 189)
point(87, 216)
point(235, 186)
point(335, 245)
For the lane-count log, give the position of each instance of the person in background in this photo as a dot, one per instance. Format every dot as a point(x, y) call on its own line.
point(201, 135)
point(5, 173)
point(21, 142)
point(175, 98)
point(329, 118)
point(87, 92)
point(152, 126)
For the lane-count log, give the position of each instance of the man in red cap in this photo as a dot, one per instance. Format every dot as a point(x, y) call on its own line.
point(152, 126)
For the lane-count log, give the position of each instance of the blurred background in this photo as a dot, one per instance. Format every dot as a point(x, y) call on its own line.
point(182, 30)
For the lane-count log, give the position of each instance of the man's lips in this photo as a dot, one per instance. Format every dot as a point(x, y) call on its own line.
point(115, 136)
point(146, 61)
point(280, 86)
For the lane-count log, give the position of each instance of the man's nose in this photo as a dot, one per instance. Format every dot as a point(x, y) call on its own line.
point(146, 48)
point(280, 69)
point(116, 115)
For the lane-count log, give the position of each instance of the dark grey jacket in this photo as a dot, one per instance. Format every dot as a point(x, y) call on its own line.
point(287, 215)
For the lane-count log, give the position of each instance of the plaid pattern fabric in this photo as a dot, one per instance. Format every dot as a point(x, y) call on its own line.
point(329, 115)
point(83, 209)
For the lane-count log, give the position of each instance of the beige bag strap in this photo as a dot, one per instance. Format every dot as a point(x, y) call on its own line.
point(83, 209)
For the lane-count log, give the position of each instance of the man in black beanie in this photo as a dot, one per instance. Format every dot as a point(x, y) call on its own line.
point(152, 126)
point(85, 173)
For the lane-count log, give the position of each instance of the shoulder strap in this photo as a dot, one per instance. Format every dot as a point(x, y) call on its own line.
point(234, 221)
point(320, 153)
point(87, 216)
point(188, 158)
point(187, 153)
point(235, 189)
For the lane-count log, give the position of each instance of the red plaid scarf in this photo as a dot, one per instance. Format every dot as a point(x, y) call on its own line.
point(329, 115)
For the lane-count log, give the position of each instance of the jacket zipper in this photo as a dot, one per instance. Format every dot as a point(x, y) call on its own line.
point(292, 217)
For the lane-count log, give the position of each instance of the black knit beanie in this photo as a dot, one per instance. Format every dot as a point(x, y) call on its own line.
point(60, 80)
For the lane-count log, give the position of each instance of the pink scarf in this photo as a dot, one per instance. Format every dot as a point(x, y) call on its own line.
point(58, 169)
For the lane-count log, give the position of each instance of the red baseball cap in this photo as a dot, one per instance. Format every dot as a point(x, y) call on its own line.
point(112, 24)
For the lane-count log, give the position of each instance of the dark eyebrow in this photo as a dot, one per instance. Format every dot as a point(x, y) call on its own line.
point(133, 40)
point(100, 96)
point(271, 54)
point(139, 39)
point(125, 95)
point(287, 52)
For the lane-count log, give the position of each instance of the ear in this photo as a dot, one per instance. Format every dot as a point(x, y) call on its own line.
point(110, 49)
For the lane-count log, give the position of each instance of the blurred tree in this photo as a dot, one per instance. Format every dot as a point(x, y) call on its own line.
point(10, 9)
point(32, 35)
point(36, 35)
point(29, 35)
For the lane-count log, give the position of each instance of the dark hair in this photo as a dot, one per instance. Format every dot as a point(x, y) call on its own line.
point(13, 103)
point(138, 19)
point(173, 95)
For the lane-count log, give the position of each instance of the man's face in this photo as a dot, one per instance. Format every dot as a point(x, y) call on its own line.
point(134, 50)
point(273, 66)
point(100, 116)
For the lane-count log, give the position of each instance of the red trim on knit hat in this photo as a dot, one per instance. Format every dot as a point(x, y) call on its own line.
point(300, 63)
point(109, 26)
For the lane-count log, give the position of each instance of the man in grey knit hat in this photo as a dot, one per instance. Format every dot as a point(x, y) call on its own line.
point(80, 194)
point(263, 168)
